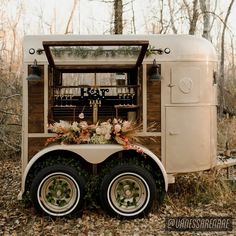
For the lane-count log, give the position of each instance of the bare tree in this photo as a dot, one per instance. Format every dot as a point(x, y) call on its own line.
point(10, 85)
point(118, 16)
point(161, 16)
point(193, 14)
point(13, 26)
point(69, 22)
point(133, 17)
point(233, 62)
point(172, 21)
point(205, 8)
point(158, 23)
point(222, 62)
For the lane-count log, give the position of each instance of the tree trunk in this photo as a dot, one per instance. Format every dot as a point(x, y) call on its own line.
point(133, 17)
point(233, 63)
point(172, 22)
point(222, 64)
point(118, 17)
point(194, 18)
point(205, 8)
point(68, 30)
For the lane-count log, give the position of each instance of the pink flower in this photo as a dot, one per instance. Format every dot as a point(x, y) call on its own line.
point(83, 125)
point(117, 128)
point(107, 136)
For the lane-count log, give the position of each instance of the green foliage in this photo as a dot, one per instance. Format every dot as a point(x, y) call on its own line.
point(92, 192)
point(51, 160)
point(93, 180)
point(84, 52)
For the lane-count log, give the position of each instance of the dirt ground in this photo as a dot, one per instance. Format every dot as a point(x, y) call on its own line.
point(16, 219)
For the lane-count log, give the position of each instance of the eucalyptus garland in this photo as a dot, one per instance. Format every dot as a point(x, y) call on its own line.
point(84, 52)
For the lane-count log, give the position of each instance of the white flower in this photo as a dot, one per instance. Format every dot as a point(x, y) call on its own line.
point(126, 126)
point(98, 139)
point(57, 126)
point(64, 124)
point(98, 130)
point(105, 127)
point(75, 126)
point(115, 121)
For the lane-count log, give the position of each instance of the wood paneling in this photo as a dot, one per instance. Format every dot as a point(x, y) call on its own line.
point(35, 145)
point(153, 144)
point(153, 104)
point(36, 104)
point(50, 95)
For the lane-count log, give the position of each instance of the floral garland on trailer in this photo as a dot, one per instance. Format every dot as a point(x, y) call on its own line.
point(111, 131)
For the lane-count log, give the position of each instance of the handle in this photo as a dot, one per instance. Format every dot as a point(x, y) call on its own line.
point(173, 133)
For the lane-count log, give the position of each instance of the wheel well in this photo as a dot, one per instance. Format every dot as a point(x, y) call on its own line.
point(57, 157)
point(85, 168)
point(134, 157)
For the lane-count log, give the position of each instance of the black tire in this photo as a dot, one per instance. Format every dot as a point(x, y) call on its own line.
point(128, 191)
point(58, 191)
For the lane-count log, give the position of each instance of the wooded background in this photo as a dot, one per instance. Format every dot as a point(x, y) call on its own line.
point(207, 18)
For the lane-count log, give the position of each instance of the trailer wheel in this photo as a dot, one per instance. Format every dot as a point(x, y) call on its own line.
point(128, 191)
point(58, 191)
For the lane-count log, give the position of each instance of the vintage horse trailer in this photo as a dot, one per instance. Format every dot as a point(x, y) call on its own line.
point(166, 83)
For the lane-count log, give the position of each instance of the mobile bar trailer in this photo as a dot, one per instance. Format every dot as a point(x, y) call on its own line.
point(165, 83)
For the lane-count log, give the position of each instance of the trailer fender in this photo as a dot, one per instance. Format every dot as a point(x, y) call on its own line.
point(89, 152)
point(158, 162)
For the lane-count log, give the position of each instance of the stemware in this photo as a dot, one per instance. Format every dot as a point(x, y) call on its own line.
point(119, 92)
point(124, 94)
point(71, 95)
point(61, 96)
point(56, 96)
point(132, 93)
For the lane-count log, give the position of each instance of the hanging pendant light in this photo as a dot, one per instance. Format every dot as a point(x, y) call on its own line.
point(154, 71)
point(35, 74)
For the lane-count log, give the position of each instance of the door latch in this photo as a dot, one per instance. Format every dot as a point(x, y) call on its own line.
point(173, 133)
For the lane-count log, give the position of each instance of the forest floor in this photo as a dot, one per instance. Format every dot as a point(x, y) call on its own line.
point(16, 219)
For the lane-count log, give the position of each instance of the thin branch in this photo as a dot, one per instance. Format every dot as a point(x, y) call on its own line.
point(15, 124)
point(10, 96)
point(188, 9)
point(133, 17)
point(172, 18)
point(222, 21)
point(71, 16)
point(17, 148)
point(9, 113)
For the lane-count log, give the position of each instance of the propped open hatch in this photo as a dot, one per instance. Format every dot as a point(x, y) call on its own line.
point(95, 55)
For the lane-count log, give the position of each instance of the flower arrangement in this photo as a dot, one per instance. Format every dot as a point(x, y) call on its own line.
point(111, 131)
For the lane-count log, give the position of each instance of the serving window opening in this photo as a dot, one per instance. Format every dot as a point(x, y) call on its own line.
point(98, 96)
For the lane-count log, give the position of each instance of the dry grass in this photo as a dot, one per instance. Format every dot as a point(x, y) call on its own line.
point(227, 133)
point(203, 188)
